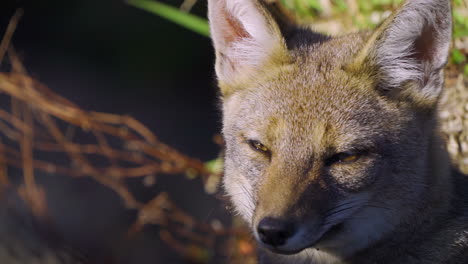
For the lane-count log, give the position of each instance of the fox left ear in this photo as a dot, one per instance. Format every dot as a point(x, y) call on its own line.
point(408, 51)
point(245, 37)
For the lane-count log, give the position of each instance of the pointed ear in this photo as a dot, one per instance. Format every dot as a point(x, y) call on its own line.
point(409, 50)
point(245, 37)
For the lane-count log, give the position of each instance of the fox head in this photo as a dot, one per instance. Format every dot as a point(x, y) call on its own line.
point(328, 139)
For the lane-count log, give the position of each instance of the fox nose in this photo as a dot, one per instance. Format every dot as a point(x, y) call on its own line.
point(274, 232)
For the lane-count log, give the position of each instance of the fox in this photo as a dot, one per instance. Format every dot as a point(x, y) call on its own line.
point(333, 152)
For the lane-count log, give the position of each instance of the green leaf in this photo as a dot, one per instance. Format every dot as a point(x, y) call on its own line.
point(189, 21)
point(315, 4)
point(457, 56)
point(459, 18)
point(288, 4)
point(341, 4)
point(215, 166)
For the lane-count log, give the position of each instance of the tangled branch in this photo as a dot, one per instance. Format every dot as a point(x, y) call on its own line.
point(38, 122)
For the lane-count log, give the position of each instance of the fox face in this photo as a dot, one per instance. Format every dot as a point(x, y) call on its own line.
point(328, 140)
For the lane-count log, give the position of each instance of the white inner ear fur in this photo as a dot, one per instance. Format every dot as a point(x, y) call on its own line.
point(395, 50)
point(252, 19)
point(253, 48)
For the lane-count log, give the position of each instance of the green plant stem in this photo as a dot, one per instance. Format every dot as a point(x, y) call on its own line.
point(189, 21)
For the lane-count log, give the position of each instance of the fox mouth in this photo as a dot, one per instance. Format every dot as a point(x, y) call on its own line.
point(326, 235)
point(330, 233)
point(320, 234)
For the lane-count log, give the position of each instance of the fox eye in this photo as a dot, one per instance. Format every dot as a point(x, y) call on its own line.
point(343, 157)
point(257, 146)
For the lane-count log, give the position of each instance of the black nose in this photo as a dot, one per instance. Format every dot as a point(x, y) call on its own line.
point(274, 232)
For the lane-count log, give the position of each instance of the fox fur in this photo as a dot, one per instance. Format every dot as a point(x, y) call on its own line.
point(338, 137)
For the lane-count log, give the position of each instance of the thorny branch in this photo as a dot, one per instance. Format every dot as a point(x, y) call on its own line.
point(37, 123)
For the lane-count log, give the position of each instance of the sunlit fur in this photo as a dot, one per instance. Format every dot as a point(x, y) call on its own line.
point(308, 97)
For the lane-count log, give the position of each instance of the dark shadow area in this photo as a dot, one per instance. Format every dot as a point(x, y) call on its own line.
point(107, 56)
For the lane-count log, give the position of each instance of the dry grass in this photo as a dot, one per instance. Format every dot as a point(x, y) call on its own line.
point(38, 121)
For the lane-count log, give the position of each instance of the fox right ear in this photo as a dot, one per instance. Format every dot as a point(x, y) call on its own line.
point(245, 37)
point(408, 51)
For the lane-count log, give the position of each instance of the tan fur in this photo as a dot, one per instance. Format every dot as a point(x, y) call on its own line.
point(317, 98)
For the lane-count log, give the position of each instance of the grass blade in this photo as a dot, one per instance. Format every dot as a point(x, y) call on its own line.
point(189, 21)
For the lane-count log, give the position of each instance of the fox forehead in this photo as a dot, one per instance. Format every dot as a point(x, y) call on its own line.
point(310, 99)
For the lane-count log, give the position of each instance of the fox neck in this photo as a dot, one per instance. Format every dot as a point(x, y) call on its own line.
point(440, 177)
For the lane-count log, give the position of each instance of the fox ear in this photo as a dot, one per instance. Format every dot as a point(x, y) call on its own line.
point(409, 50)
point(245, 37)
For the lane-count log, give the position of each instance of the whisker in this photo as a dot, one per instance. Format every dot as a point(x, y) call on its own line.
point(338, 211)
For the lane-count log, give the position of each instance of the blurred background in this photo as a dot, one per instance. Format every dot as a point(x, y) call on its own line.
point(108, 56)
point(154, 61)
